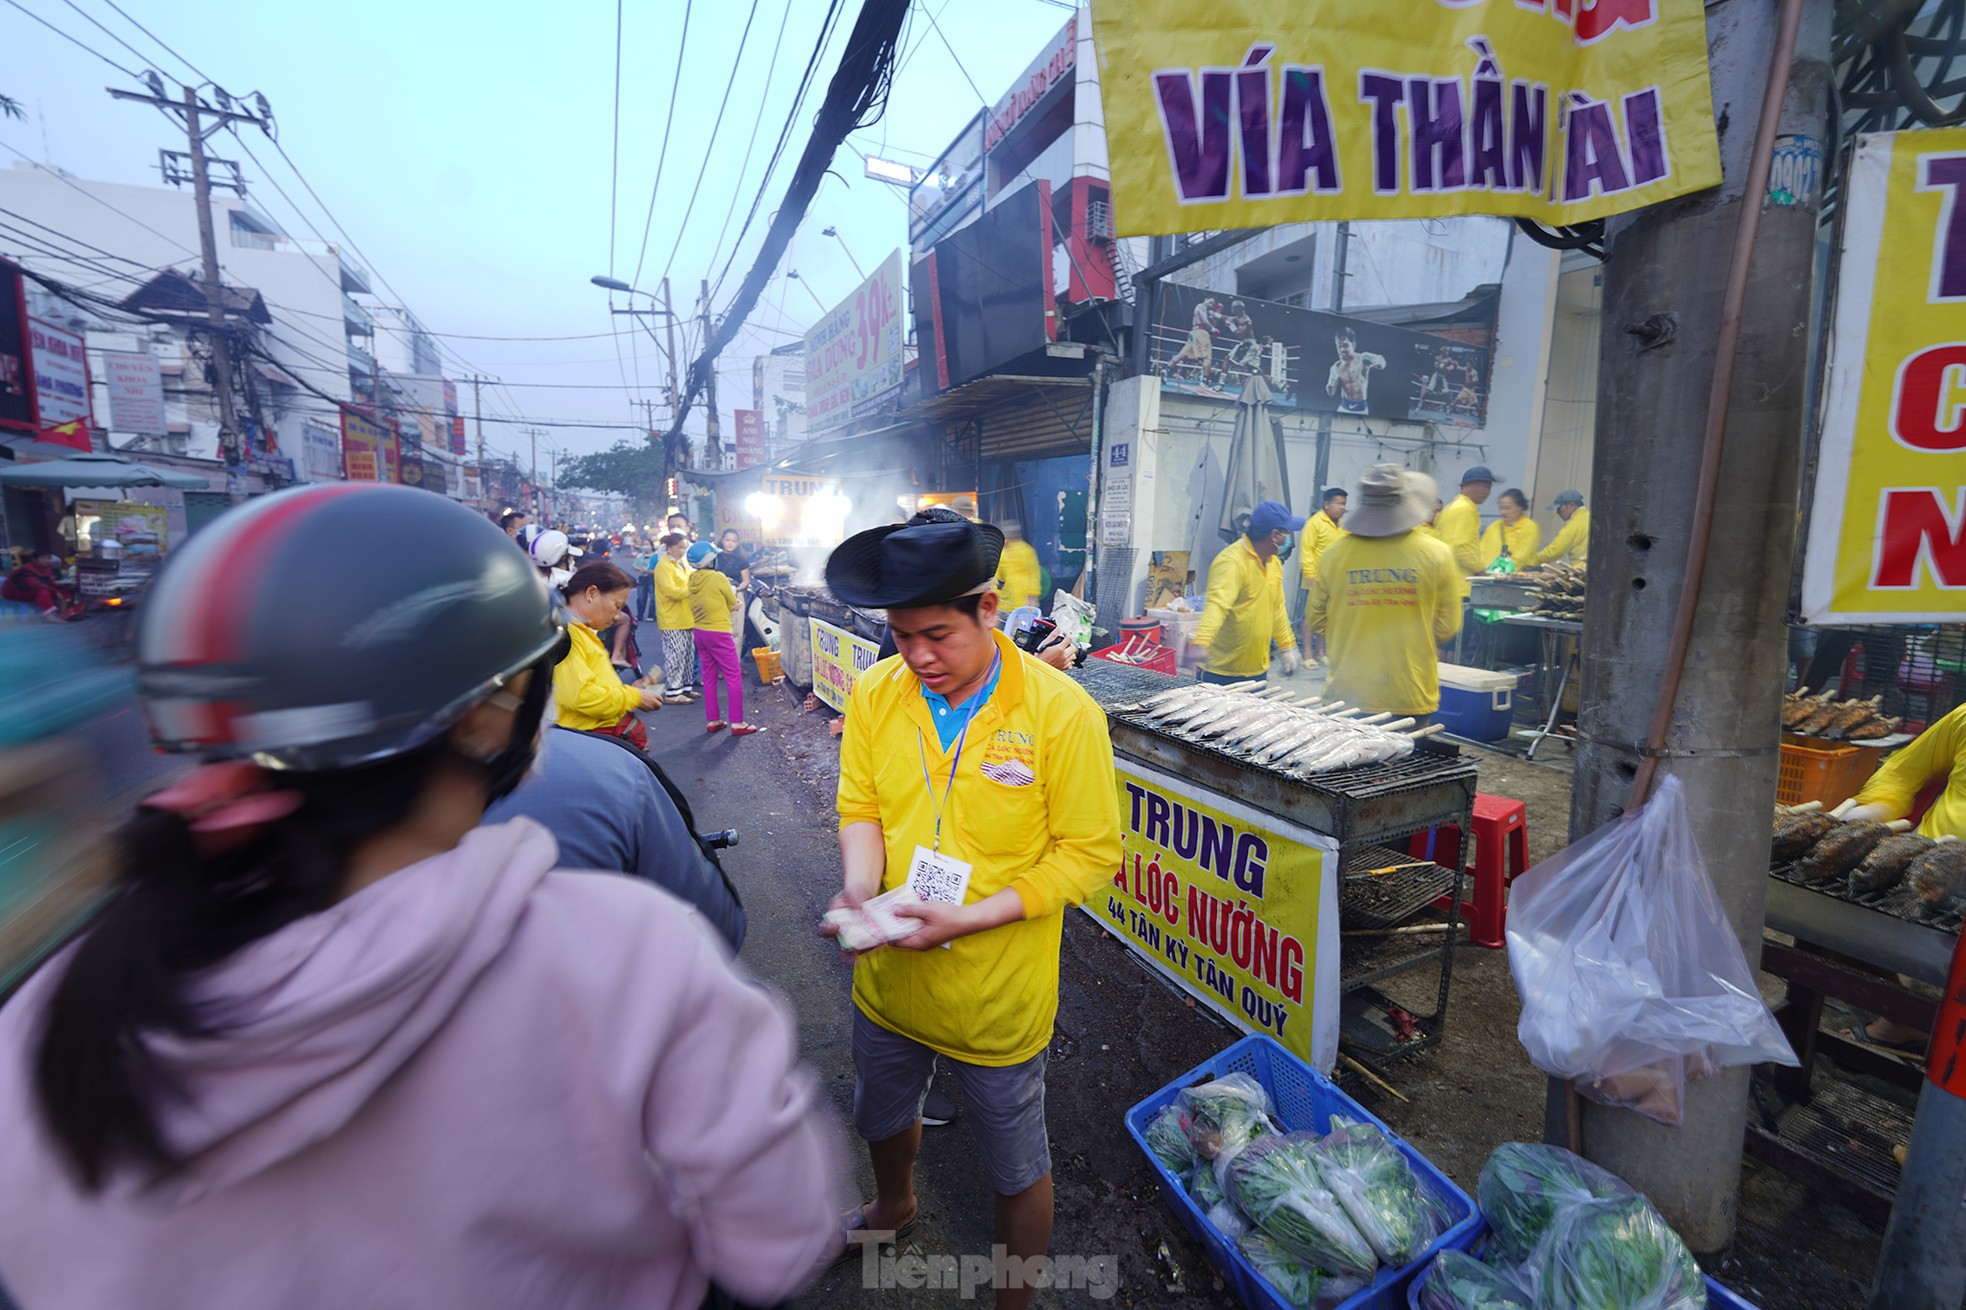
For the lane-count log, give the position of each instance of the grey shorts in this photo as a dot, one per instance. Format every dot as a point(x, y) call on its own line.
point(1004, 1104)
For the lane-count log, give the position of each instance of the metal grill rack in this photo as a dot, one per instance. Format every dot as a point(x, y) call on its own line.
point(1891, 902)
point(1370, 811)
point(1387, 900)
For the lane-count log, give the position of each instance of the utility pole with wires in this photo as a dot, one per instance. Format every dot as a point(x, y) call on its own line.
point(478, 412)
point(713, 437)
point(669, 332)
point(537, 499)
point(195, 116)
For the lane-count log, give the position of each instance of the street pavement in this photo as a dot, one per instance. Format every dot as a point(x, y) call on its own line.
point(1121, 1033)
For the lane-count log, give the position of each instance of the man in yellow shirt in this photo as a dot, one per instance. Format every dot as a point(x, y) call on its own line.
point(1386, 596)
point(1459, 524)
point(1018, 572)
point(1244, 611)
point(1320, 530)
point(1004, 813)
point(1572, 542)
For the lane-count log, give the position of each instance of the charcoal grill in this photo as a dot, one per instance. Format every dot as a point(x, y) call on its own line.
point(1370, 811)
point(1867, 927)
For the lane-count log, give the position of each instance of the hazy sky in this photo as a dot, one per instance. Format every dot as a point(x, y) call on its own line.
point(466, 148)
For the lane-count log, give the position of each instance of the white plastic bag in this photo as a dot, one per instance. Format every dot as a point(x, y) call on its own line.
point(1632, 981)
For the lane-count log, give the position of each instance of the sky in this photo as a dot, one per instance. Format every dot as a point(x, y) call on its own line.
point(468, 151)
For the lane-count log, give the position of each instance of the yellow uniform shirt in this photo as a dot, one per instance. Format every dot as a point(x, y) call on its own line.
point(1572, 542)
point(1018, 576)
point(586, 688)
point(1429, 531)
point(1523, 539)
point(1319, 532)
point(711, 601)
point(1035, 808)
point(1939, 752)
point(672, 596)
point(1459, 526)
point(1244, 612)
point(1384, 604)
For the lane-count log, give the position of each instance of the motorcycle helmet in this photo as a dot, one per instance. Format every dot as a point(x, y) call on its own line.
point(332, 626)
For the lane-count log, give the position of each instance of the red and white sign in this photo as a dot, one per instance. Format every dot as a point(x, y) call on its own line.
point(853, 355)
point(1055, 65)
point(59, 360)
point(136, 393)
point(748, 432)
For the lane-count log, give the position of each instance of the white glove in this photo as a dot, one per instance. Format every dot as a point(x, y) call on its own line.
point(1292, 661)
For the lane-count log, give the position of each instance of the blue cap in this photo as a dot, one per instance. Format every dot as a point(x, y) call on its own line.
point(701, 553)
point(1272, 516)
point(1479, 473)
point(1567, 498)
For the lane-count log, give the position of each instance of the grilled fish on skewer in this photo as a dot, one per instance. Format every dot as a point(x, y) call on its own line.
point(1885, 867)
point(1872, 729)
point(1843, 848)
point(1852, 714)
point(1938, 877)
point(1820, 719)
point(1796, 833)
point(1797, 708)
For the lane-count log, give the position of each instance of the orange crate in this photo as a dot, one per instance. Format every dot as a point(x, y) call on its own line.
point(767, 661)
point(1830, 774)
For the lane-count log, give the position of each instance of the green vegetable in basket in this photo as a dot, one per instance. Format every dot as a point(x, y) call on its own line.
point(1615, 1254)
point(1167, 1138)
point(1277, 1183)
point(1295, 1280)
point(1205, 1188)
point(1458, 1281)
point(1224, 1115)
point(1379, 1191)
point(1524, 1184)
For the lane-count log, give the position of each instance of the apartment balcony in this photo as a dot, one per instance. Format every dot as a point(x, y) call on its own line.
point(361, 365)
point(356, 318)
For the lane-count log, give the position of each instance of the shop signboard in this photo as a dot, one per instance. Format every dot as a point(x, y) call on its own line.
point(853, 354)
point(362, 441)
point(748, 435)
point(1209, 343)
point(1237, 907)
point(1249, 113)
point(136, 392)
point(1886, 539)
point(838, 657)
point(1052, 68)
point(320, 451)
point(60, 361)
point(17, 408)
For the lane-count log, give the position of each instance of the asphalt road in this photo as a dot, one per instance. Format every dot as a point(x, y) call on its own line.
point(1120, 1035)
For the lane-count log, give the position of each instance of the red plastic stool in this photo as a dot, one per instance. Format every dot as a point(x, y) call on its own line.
point(1501, 832)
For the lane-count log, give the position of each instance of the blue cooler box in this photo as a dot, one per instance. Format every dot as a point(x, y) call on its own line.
point(1476, 703)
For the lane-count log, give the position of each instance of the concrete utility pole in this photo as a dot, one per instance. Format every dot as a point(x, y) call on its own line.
point(1664, 283)
point(537, 500)
point(1340, 254)
point(478, 412)
point(713, 434)
point(195, 114)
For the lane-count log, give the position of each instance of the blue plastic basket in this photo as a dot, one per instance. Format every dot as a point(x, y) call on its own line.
point(1305, 1101)
point(1718, 1297)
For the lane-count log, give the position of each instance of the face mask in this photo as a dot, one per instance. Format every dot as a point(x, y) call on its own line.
point(511, 766)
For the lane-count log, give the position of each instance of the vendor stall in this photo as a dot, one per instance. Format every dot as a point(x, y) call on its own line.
point(1329, 848)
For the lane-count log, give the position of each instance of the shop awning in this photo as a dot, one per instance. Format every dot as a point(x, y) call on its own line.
point(1017, 416)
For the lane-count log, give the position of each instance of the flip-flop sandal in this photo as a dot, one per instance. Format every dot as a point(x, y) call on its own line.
point(855, 1220)
point(1914, 1050)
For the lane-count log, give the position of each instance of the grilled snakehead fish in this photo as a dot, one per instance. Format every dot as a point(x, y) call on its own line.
point(1886, 865)
point(1841, 849)
point(1796, 833)
point(1938, 877)
point(1797, 708)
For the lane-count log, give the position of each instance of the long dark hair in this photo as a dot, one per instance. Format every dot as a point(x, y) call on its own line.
point(175, 912)
point(600, 573)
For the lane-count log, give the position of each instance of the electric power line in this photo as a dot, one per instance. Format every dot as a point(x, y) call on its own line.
point(668, 126)
point(737, 190)
point(76, 41)
point(710, 146)
point(160, 41)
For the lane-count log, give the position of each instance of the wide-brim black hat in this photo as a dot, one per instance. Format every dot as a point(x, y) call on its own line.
point(903, 565)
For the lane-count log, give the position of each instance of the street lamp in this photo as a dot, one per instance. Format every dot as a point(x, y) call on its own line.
point(834, 233)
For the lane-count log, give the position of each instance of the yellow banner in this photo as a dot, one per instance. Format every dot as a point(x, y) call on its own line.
point(837, 659)
point(1237, 907)
point(1249, 113)
point(1887, 527)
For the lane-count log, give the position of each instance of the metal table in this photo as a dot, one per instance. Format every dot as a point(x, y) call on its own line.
point(1370, 811)
point(1551, 630)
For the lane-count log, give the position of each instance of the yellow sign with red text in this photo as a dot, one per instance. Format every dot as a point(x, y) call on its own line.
point(1887, 526)
point(1248, 113)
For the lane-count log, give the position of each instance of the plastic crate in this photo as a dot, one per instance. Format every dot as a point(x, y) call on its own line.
point(1830, 774)
point(1718, 1297)
point(1305, 1101)
point(767, 661)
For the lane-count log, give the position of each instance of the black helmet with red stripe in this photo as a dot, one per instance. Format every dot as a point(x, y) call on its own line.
point(331, 626)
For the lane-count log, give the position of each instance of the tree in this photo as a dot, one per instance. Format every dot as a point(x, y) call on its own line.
point(10, 108)
point(633, 468)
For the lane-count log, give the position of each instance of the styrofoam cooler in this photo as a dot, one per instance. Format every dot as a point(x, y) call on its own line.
point(1476, 703)
point(1305, 1101)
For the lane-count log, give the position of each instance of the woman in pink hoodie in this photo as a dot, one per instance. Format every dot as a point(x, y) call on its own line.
point(334, 1044)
